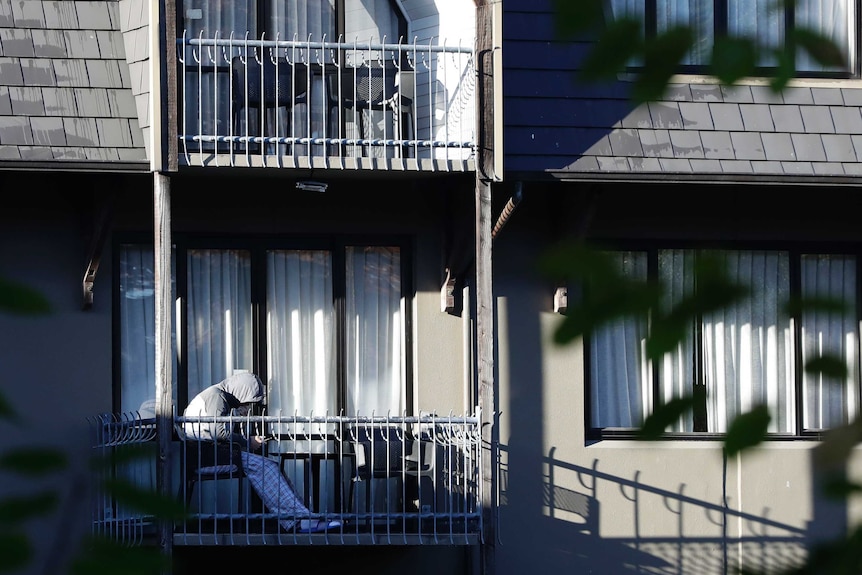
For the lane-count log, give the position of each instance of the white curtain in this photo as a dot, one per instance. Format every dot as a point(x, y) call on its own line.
point(300, 327)
point(829, 402)
point(374, 328)
point(699, 15)
point(758, 20)
point(619, 373)
point(747, 347)
point(834, 19)
point(219, 322)
point(138, 332)
point(676, 273)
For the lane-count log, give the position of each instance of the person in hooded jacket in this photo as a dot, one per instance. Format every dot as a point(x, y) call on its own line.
point(236, 395)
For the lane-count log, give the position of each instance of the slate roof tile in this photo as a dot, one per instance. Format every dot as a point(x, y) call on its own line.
point(16, 43)
point(797, 95)
point(6, 18)
point(717, 145)
point(38, 72)
point(122, 104)
point(81, 43)
point(817, 120)
point(645, 164)
point(15, 130)
point(95, 14)
point(838, 147)
point(726, 117)
point(142, 105)
point(675, 165)
point(756, 117)
point(665, 115)
point(778, 147)
point(827, 97)
point(678, 93)
point(114, 132)
point(28, 14)
point(853, 169)
point(110, 44)
point(809, 147)
point(584, 164)
point(104, 73)
point(60, 15)
point(736, 166)
point(612, 164)
point(828, 168)
point(787, 118)
point(9, 152)
point(695, 116)
point(600, 147)
point(737, 94)
point(26, 101)
point(765, 95)
point(5, 102)
point(766, 167)
point(60, 101)
point(846, 120)
point(655, 143)
point(138, 139)
point(856, 139)
point(69, 153)
point(81, 131)
point(93, 102)
point(686, 144)
point(102, 154)
point(140, 155)
point(49, 44)
point(747, 145)
point(625, 142)
point(36, 153)
point(637, 118)
point(705, 166)
point(706, 93)
point(71, 72)
point(798, 168)
point(852, 96)
point(10, 71)
point(48, 131)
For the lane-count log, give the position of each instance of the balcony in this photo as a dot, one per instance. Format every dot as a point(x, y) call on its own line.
point(385, 480)
point(323, 105)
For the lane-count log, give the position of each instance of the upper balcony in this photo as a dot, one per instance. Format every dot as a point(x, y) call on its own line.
point(313, 103)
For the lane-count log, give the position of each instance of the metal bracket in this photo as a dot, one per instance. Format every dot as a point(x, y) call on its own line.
point(101, 227)
point(447, 293)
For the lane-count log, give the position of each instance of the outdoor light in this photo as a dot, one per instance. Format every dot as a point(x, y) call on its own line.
point(311, 186)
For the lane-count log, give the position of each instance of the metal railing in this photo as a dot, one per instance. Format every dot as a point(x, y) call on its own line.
point(318, 103)
point(376, 480)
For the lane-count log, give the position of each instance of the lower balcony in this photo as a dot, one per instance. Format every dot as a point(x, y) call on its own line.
point(314, 481)
point(318, 104)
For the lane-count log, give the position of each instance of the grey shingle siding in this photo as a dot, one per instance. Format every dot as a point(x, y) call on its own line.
point(65, 89)
point(554, 124)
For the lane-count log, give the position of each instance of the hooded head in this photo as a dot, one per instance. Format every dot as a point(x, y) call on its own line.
point(245, 387)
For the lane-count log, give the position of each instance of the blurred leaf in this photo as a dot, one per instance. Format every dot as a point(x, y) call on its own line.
point(108, 557)
point(619, 41)
point(665, 335)
point(6, 410)
point(15, 551)
point(784, 71)
point(146, 501)
point(747, 430)
point(839, 488)
point(733, 58)
point(33, 461)
point(124, 454)
point(662, 57)
point(665, 415)
point(828, 366)
point(573, 16)
point(19, 299)
point(824, 51)
point(797, 306)
point(836, 446)
point(16, 509)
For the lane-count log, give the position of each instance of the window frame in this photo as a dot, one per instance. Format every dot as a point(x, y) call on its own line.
point(257, 246)
point(795, 251)
point(720, 17)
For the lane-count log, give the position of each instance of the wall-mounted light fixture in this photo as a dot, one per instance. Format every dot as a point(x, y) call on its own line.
point(311, 186)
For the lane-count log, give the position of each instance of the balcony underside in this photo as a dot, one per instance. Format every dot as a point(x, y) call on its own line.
point(241, 160)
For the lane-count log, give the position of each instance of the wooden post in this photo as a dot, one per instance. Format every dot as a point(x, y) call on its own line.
point(163, 310)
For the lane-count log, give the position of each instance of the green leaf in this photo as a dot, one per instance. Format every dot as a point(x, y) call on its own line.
point(837, 444)
point(784, 70)
point(124, 454)
point(662, 57)
point(7, 411)
point(747, 430)
point(797, 306)
point(146, 501)
point(16, 509)
point(616, 46)
point(15, 551)
point(733, 58)
point(828, 366)
point(824, 51)
point(16, 298)
point(665, 415)
point(107, 557)
point(839, 488)
point(33, 461)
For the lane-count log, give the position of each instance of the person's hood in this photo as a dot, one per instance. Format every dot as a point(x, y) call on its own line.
point(245, 387)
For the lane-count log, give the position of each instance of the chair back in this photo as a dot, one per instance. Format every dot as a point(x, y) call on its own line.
point(379, 450)
point(265, 83)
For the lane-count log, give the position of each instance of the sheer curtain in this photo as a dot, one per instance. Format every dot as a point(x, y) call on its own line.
point(374, 327)
point(300, 327)
point(676, 374)
point(748, 347)
point(620, 383)
point(699, 15)
point(219, 322)
point(138, 331)
point(759, 20)
point(834, 19)
point(829, 402)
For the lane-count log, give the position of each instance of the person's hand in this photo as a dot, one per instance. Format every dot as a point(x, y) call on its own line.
point(255, 442)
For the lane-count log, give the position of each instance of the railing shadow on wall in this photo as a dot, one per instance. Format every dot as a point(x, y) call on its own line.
point(573, 522)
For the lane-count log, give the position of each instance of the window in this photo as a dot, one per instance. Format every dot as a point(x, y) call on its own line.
point(741, 356)
point(766, 21)
point(324, 325)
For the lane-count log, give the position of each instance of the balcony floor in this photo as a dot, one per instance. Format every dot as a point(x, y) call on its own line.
point(257, 160)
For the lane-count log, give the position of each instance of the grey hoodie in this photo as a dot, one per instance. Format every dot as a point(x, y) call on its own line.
point(220, 399)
